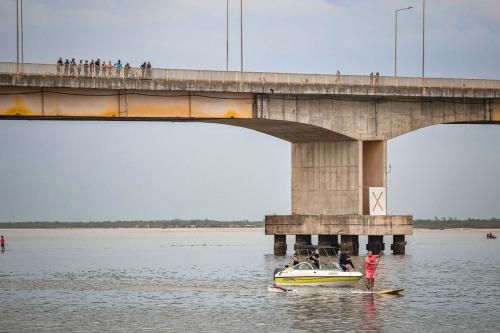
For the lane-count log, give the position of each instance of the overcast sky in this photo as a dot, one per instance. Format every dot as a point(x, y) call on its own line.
point(75, 171)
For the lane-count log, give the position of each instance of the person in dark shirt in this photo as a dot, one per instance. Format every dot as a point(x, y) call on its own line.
point(345, 262)
point(314, 260)
point(295, 260)
point(2, 243)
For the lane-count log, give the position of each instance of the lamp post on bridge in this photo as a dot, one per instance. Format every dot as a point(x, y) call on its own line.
point(241, 34)
point(19, 32)
point(396, 12)
point(423, 39)
point(227, 35)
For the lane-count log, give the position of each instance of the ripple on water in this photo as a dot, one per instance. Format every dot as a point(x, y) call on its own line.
point(174, 282)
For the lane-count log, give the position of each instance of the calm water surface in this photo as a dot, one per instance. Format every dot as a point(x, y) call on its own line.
point(212, 281)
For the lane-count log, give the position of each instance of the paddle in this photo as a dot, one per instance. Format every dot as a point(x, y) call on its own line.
point(378, 259)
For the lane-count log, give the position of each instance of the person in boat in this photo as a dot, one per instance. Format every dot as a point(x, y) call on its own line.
point(345, 262)
point(314, 260)
point(295, 260)
point(371, 262)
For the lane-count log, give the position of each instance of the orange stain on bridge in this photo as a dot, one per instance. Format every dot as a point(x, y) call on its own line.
point(18, 109)
point(63, 104)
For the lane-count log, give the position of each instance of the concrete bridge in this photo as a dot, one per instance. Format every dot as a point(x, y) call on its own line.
point(338, 126)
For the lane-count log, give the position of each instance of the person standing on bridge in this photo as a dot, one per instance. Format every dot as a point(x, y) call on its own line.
point(79, 67)
point(126, 70)
point(2, 243)
point(86, 68)
point(143, 70)
point(59, 66)
point(337, 78)
point(377, 77)
point(149, 70)
point(97, 65)
point(118, 68)
point(371, 79)
point(110, 69)
point(72, 66)
point(103, 69)
point(66, 67)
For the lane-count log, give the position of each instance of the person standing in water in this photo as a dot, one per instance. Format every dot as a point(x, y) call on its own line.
point(371, 262)
point(2, 243)
point(345, 262)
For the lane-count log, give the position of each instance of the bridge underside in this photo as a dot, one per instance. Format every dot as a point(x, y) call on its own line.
point(338, 144)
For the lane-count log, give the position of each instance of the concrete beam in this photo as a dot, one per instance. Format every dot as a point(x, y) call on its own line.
point(338, 225)
point(158, 84)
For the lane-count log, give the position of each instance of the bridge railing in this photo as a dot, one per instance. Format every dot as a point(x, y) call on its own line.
point(242, 77)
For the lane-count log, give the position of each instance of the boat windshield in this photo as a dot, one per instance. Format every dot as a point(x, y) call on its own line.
point(303, 266)
point(332, 266)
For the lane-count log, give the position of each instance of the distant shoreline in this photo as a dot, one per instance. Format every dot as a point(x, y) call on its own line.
point(438, 224)
point(142, 229)
point(229, 229)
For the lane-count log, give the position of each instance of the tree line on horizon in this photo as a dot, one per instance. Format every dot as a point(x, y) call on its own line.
point(133, 224)
point(436, 223)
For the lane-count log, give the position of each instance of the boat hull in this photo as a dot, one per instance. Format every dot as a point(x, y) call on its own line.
point(335, 281)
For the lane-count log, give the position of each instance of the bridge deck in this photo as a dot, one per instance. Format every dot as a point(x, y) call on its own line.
point(50, 75)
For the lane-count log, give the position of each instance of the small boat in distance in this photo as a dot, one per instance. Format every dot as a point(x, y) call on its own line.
point(490, 235)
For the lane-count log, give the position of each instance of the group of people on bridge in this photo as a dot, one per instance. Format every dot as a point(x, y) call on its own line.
point(374, 78)
point(98, 69)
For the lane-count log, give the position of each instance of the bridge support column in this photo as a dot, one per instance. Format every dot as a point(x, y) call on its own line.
point(375, 244)
point(330, 196)
point(279, 245)
point(349, 243)
point(331, 241)
point(398, 245)
point(326, 178)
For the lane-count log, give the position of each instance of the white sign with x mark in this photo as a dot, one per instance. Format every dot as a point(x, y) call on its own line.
point(378, 202)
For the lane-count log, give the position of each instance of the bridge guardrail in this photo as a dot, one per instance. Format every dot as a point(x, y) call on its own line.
point(170, 74)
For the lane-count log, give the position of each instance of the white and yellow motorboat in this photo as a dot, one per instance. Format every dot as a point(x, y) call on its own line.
point(305, 274)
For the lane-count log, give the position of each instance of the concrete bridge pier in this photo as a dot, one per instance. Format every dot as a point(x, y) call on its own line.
point(279, 245)
point(303, 240)
point(375, 244)
point(398, 245)
point(349, 243)
point(331, 241)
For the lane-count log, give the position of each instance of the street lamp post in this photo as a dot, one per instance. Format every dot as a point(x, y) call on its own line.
point(227, 35)
point(22, 33)
point(423, 39)
point(396, 38)
point(241, 34)
point(17, 32)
